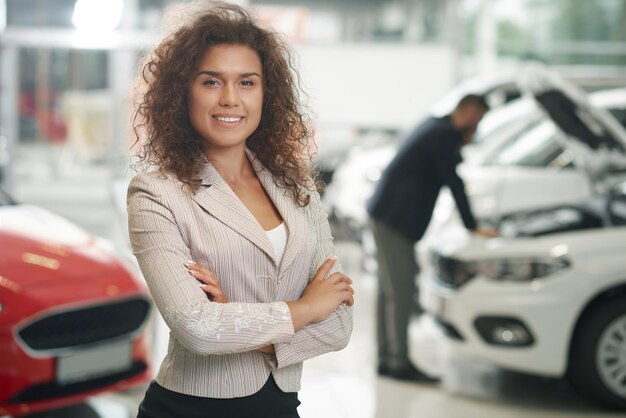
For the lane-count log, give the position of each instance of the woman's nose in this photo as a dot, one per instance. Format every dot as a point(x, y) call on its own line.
point(229, 96)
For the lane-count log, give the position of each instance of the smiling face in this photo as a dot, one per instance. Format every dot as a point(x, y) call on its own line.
point(225, 98)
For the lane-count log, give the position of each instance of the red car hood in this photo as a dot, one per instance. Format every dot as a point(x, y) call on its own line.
point(38, 246)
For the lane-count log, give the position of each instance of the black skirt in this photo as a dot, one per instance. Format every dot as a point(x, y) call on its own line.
point(268, 402)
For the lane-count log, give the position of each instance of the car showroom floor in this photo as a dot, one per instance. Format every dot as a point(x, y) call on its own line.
point(337, 385)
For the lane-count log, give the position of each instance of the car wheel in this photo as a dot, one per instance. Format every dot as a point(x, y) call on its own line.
point(598, 355)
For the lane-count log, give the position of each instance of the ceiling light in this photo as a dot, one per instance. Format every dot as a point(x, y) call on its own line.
point(97, 15)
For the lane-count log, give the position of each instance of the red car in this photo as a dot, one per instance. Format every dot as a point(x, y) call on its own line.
point(72, 314)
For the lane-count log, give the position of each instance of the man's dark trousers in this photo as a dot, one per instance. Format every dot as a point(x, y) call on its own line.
point(397, 272)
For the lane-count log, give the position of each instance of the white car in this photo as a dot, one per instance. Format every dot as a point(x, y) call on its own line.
point(549, 296)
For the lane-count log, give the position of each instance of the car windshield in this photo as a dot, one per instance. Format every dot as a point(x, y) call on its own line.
point(620, 115)
point(499, 119)
point(536, 147)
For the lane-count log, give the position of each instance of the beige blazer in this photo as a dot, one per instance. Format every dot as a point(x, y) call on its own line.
point(211, 345)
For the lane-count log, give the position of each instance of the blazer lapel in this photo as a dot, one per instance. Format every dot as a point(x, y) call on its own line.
point(217, 198)
point(293, 216)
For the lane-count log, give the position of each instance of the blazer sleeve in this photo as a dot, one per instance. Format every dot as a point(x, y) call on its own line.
point(446, 162)
point(202, 326)
point(333, 333)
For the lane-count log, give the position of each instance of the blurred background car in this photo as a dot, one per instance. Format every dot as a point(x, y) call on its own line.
point(547, 298)
point(73, 314)
point(334, 145)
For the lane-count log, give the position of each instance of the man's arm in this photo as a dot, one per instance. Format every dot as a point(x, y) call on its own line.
point(446, 159)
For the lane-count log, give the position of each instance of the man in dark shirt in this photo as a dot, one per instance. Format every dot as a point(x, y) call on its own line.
point(400, 211)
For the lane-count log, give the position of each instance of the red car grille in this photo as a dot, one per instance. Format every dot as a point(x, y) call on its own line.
point(85, 325)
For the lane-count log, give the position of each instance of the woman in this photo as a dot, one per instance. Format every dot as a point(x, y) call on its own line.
point(228, 229)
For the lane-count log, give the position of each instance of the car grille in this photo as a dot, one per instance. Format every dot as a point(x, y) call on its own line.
point(52, 390)
point(450, 271)
point(85, 325)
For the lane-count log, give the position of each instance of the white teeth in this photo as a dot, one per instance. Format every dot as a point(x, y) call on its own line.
point(224, 119)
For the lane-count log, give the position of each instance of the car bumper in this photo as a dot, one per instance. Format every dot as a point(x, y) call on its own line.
point(51, 394)
point(547, 309)
point(40, 372)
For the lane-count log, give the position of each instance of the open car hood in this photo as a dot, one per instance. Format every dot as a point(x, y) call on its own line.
point(591, 132)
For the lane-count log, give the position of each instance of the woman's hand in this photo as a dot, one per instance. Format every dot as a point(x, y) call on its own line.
point(209, 283)
point(267, 349)
point(322, 296)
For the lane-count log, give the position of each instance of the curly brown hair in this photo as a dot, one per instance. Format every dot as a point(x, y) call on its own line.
point(281, 140)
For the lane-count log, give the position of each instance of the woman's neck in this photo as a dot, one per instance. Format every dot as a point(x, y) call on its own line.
point(231, 163)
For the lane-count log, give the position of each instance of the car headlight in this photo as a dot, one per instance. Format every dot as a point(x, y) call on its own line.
point(520, 269)
point(455, 272)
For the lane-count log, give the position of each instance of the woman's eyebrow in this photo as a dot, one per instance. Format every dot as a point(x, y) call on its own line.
point(219, 74)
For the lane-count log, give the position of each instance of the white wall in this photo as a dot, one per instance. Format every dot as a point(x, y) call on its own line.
point(375, 85)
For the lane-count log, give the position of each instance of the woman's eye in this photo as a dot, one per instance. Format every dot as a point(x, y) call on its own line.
point(211, 82)
point(247, 83)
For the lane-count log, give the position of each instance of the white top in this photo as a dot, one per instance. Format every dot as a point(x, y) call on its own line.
point(278, 237)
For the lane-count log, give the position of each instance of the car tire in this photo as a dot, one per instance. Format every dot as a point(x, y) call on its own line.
point(597, 365)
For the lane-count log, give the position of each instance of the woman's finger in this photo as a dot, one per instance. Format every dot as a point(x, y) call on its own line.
point(205, 279)
point(348, 295)
point(339, 277)
point(349, 298)
point(344, 287)
point(214, 291)
point(195, 266)
point(205, 271)
point(322, 272)
point(199, 268)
